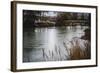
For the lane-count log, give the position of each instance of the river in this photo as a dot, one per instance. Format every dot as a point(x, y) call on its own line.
point(46, 43)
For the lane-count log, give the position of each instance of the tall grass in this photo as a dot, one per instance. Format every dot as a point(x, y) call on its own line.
point(77, 52)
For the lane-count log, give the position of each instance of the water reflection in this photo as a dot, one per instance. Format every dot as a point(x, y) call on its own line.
point(51, 39)
point(46, 44)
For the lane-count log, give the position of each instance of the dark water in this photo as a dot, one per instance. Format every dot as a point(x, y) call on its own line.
point(46, 44)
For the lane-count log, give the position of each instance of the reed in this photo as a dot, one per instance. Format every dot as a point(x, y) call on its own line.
point(77, 53)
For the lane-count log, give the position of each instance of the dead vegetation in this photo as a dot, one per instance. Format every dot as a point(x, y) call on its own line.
point(79, 49)
point(76, 52)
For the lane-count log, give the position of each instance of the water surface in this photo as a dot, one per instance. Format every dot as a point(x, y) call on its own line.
point(46, 43)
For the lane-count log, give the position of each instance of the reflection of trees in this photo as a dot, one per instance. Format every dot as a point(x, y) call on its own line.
point(63, 17)
point(29, 17)
point(44, 18)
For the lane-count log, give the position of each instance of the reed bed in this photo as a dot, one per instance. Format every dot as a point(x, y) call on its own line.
point(75, 52)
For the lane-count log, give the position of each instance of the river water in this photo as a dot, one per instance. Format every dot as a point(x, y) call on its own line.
point(46, 43)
